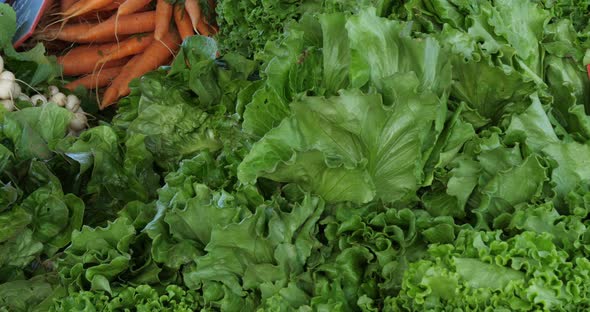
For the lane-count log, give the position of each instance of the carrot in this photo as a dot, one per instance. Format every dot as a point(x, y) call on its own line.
point(126, 25)
point(84, 59)
point(202, 28)
point(183, 23)
point(131, 46)
point(110, 64)
point(112, 93)
point(131, 6)
point(66, 4)
point(157, 54)
point(74, 66)
point(94, 17)
point(86, 50)
point(96, 80)
point(193, 8)
point(84, 6)
point(163, 16)
point(200, 25)
point(66, 33)
point(113, 6)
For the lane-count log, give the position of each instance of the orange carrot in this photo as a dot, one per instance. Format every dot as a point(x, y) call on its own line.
point(84, 6)
point(84, 59)
point(96, 80)
point(157, 54)
point(124, 25)
point(66, 33)
point(131, 6)
point(66, 4)
point(183, 22)
point(86, 50)
point(203, 28)
point(73, 8)
point(93, 17)
point(163, 16)
point(131, 46)
point(74, 66)
point(113, 6)
point(112, 92)
point(193, 8)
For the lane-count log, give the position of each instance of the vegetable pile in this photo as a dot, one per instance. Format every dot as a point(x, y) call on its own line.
point(374, 156)
point(120, 40)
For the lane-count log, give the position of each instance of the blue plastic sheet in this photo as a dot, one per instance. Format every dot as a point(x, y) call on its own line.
point(28, 14)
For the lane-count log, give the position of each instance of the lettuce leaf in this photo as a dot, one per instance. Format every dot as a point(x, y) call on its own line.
point(32, 66)
point(357, 141)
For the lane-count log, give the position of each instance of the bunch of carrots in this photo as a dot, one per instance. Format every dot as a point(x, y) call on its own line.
point(116, 41)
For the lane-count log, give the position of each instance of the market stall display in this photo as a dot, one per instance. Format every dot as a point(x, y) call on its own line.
point(324, 155)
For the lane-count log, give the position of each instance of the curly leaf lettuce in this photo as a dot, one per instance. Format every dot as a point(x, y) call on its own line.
point(97, 255)
point(528, 271)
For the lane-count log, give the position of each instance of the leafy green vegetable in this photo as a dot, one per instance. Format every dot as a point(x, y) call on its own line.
point(32, 66)
point(521, 271)
point(32, 130)
point(356, 145)
point(246, 26)
point(374, 156)
point(140, 298)
point(8, 24)
point(20, 295)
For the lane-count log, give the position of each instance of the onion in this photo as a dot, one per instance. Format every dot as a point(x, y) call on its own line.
point(53, 90)
point(6, 89)
point(16, 90)
point(78, 122)
point(72, 103)
point(35, 99)
point(7, 75)
point(59, 99)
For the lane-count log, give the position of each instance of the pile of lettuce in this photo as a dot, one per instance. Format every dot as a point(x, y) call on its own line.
point(420, 156)
point(246, 26)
